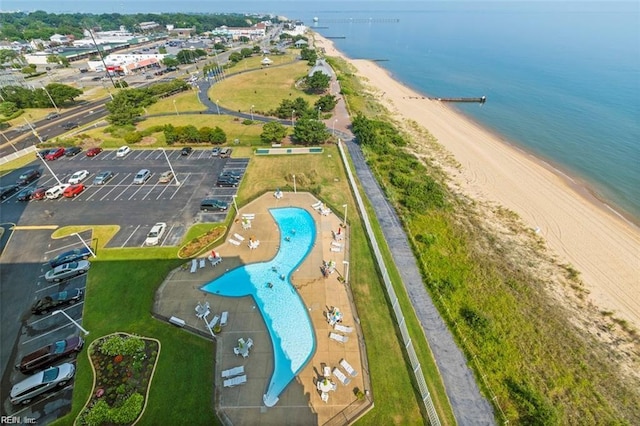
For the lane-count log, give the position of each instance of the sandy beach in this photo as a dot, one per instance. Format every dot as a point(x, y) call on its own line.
point(577, 228)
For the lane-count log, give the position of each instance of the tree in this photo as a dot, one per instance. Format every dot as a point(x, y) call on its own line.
point(170, 62)
point(273, 132)
point(326, 103)
point(61, 93)
point(235, 57)
point(8, 108)
point(246, 52)
point(217, 136)
point(310, 132)
point(309, 55)
point(318, 82)
point(126, 106)
point(29, 69)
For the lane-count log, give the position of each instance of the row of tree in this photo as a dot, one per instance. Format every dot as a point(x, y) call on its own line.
point(191, 134)
point(299, 107)
point(18, 97)
point(42, 25)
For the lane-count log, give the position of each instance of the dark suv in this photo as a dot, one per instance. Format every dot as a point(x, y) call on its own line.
point(48, 303)
point(27, 177)
point(47, 355)
point(213, 204)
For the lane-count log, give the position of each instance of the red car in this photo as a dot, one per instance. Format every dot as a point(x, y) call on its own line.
point(94, 151)
point(54, 154)
point(73, 190)
point(38, 194)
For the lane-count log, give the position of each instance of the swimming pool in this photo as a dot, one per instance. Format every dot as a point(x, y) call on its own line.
point(282, 309)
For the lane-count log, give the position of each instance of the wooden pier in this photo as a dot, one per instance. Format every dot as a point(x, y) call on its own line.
point(479, 100)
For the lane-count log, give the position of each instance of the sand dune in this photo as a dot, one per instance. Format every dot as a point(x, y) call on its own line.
point(577, 227)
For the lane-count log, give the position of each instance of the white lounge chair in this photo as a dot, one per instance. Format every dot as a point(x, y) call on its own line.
point(236, 350)
point(326, 371)
point(239, 380)
point(316, 205)
point(336, 249)
point(202, 262)
point(249, 343)
point(336, 244)
point(235, 371)
point(249, 216)
point(224, 318)
point(338, 337)
point(348, 368)
point(246, 224)
point(234, 242)
point(340, 376)
point(215, 261)
point(325, 212)
point(194, 265)
point(238, 237)
point(342, 328)
point(324, 396)
point(213, 322)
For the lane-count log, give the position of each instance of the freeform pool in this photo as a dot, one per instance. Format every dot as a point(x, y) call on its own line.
point(282, 309)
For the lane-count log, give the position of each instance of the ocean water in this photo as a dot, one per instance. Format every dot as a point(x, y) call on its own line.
point(562, 79)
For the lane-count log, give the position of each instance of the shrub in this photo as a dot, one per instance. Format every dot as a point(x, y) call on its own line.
point(128, 411)
point(133, 137)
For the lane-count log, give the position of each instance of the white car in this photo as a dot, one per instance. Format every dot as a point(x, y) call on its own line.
point(78, 177)
point(67, 270)
point(56, 191)
point(54, 377)
point(141, 177)
point(153, 237)
point(122, 151)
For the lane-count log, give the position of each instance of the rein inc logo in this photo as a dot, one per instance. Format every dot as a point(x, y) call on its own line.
point(17, 420)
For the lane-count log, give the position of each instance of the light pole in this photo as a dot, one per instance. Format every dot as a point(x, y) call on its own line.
point(235, 204)
point(85, 244)
point(251, 111)
point(50, 98)
point(175, 107)
point(294, 184)
point(72, 320)
point(346, 271)
point(333, 128)
point(170, 166)
point(49, 168)
point(9, 141)
point(293, 112)
point(218, 106)
point(344, 225)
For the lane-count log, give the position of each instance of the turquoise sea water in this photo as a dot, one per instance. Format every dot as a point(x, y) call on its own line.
point(284, 313)
point(562, 78)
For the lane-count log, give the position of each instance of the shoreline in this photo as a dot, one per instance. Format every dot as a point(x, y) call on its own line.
point(578, 226)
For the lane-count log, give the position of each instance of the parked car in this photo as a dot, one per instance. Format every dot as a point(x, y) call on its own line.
point(7, 191)
point(141, 177)
point(56, 192)
point(39, 193)
point(215, 152)
point(73, 190)
point(235, 174)
point(78, 176)
point(43, 152)
point(92, 152)
point(72, 151)
point(47, 355)
point(225, 152)
point(82, 253)
point(122, 151)
point(25, 194)
point(186, 150)
point(52, 115)
point(213, 204)
point(227, 181)
point(103, 177)
point(69, 125)
point(55, 377)
point(27, 177)
point(153, 237)
point(56, 300)
point(166, 177)
point(67, 271)
point(54, 154)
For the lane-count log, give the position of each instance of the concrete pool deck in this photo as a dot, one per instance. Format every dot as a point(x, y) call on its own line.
point(300, 403)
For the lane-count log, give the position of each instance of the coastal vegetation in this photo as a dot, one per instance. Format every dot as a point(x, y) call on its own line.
point(489, 277)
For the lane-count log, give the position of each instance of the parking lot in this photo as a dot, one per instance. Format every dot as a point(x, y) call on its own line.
point(23, 283)
point(135, 208)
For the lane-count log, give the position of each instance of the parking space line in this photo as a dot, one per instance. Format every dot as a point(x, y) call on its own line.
point(167, 235)
point(138, 190)
point(48, 287)
point(150, 191)
point(47, 317)
point(140, 154)
point(179, 186)
point(74, 244)
point(134, 231)
point(51, 331)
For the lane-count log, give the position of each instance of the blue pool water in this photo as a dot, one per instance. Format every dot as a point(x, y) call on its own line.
point(284, 313)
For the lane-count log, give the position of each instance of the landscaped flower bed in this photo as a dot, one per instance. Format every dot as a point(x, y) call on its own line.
point(123, 367)
point(198, 244)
